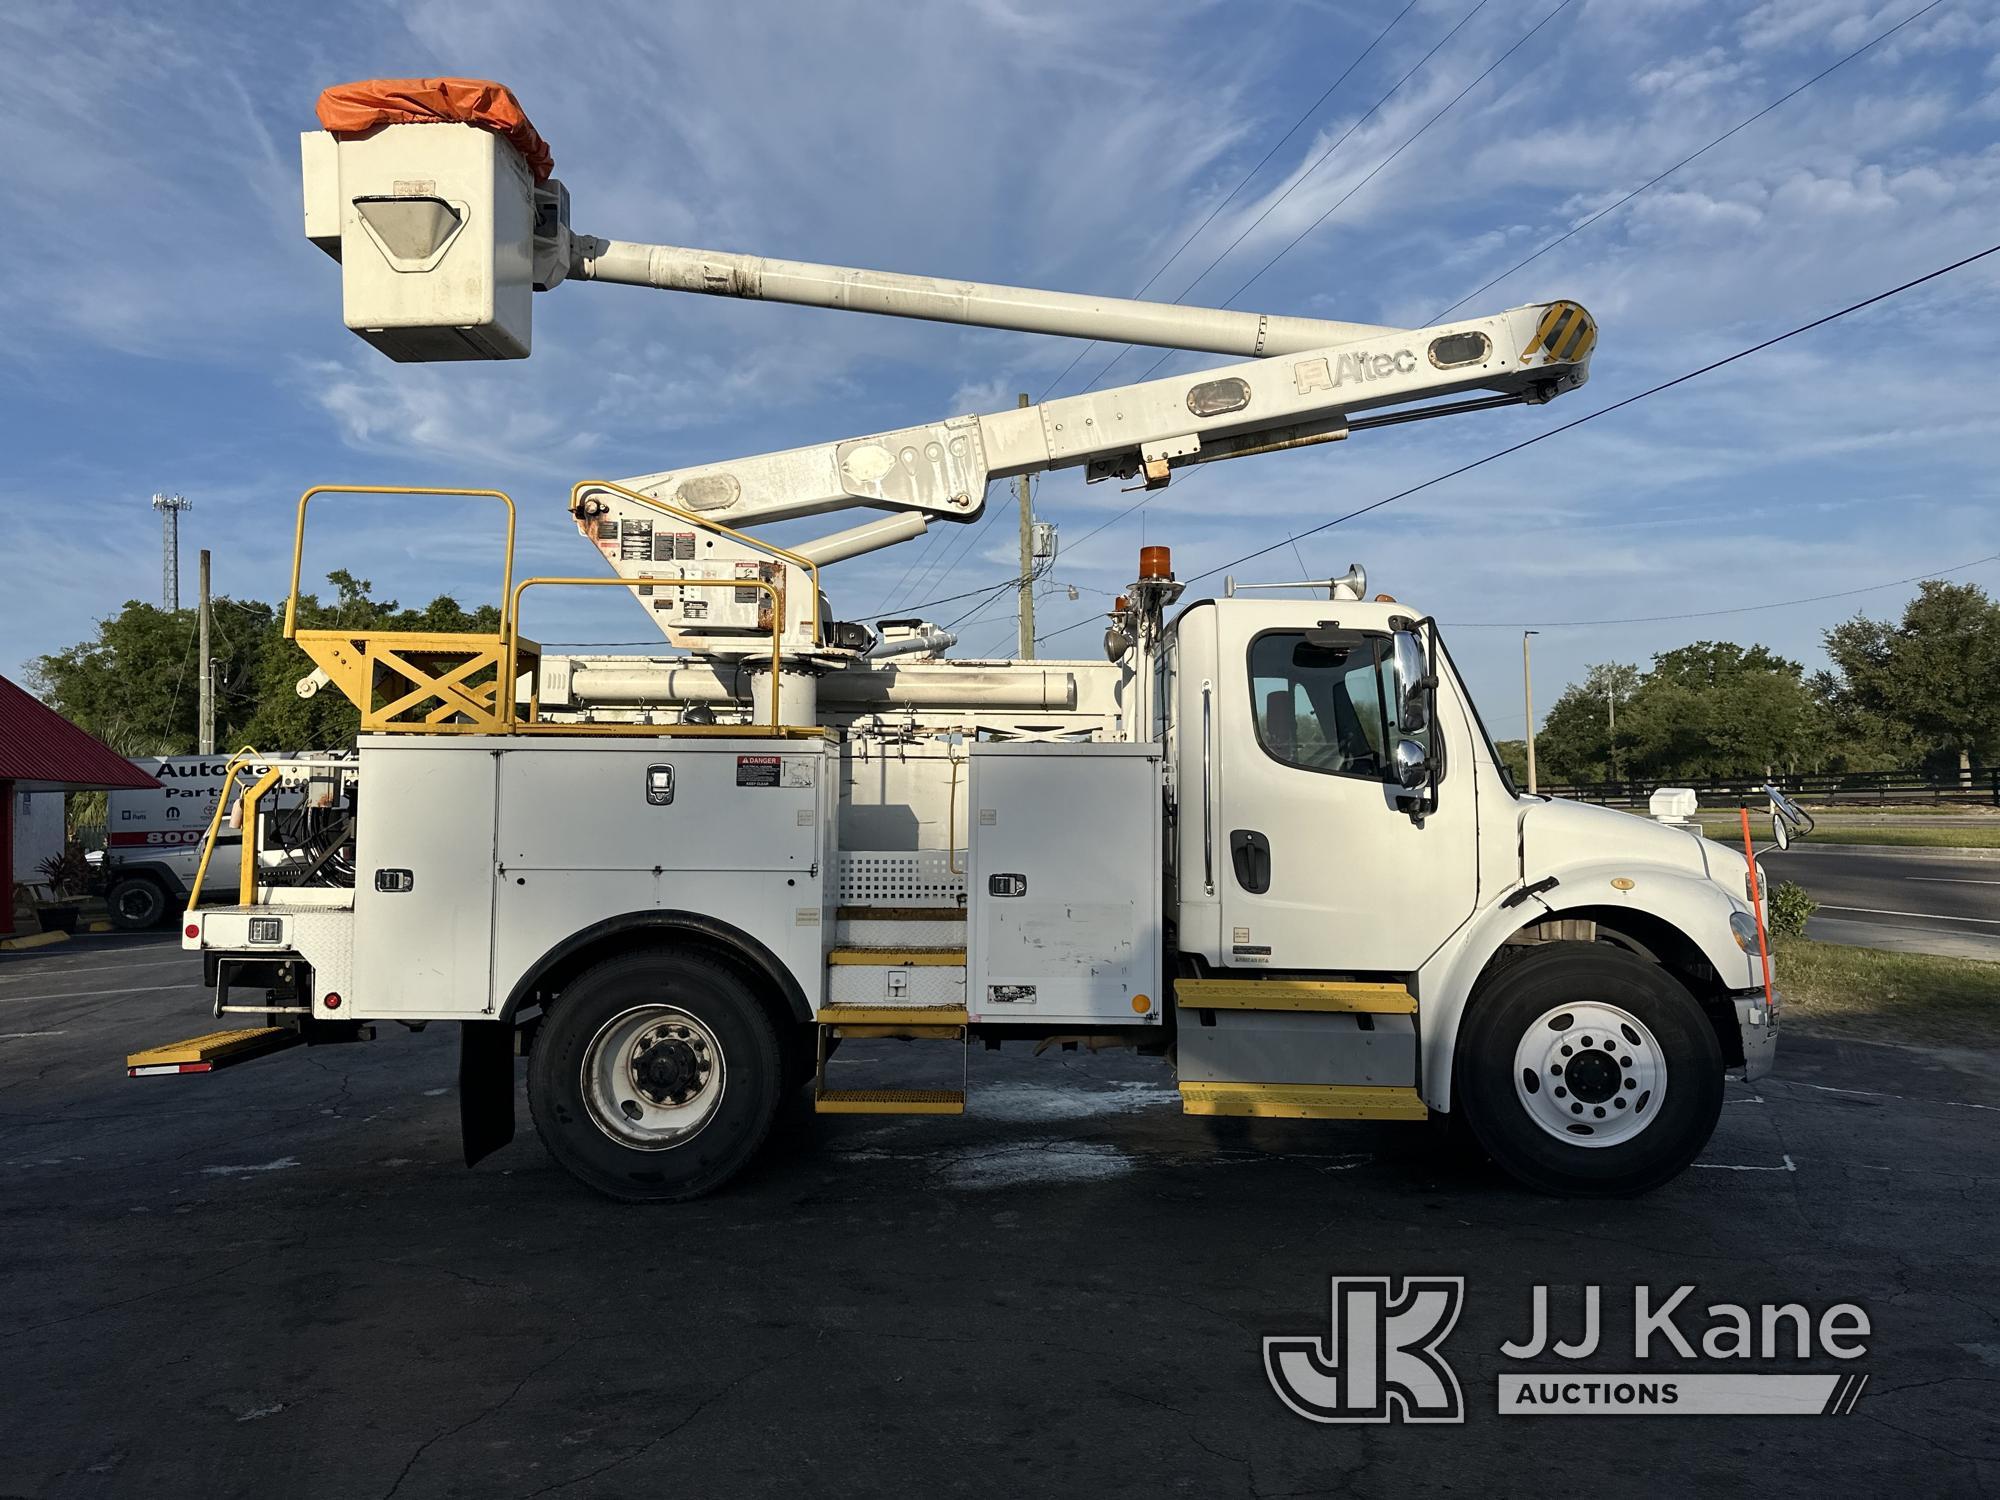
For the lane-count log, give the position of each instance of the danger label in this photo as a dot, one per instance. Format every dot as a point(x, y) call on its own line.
point(774, 770)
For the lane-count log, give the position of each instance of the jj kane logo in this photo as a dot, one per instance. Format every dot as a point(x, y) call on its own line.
point(1382, 1362)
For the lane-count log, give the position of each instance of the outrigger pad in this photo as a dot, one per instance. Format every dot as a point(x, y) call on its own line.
point(217, 1049)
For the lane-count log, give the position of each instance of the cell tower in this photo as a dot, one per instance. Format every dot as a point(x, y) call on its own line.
point(170, 508)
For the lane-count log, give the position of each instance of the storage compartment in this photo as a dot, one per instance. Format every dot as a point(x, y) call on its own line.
point(1064, 884)
point(1291, 1047)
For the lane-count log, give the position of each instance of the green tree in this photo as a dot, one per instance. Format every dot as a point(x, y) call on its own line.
point(1712, 708)
point(137, 687)
point(135, 684)
point(1575, 743)
point(1514, 760)
point(1934, 675)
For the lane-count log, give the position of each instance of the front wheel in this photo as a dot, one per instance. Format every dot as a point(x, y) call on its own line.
point(656, 1076)
point(136, 903)
point(1589, 1072)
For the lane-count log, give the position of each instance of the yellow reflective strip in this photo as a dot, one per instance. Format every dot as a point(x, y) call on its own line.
point(1302, 1101)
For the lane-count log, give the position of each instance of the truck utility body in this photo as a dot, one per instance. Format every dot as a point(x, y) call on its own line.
point(1265, 838)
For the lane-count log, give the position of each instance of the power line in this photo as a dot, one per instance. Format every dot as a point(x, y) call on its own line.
point(1691, 156)
point(1298, 182)
point(1740, 609)
point(1567, 235)
point(953, 561)
point(1552, 244)
point(1620, 405)
point(1602, 411)
point(1408, 142)
point(1311, 110)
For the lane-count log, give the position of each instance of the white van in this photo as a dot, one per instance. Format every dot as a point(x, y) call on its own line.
point(152, 839)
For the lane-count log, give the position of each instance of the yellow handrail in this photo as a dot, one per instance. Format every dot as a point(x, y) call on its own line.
point(299, 538)
point(246, 880)
point(229, 773)
point(811, 567)
point(506, 685)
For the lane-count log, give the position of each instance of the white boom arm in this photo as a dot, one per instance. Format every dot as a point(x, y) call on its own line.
point(1312, 394)
point(443, 237)
point(933, 299)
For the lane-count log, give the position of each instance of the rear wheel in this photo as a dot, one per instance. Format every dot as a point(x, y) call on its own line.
point(136, 903)
point(1588, 1071)
point(656, 1076)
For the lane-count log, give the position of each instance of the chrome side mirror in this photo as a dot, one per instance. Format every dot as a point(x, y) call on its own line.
point(1787, 818)
point(1413, 683)
point(1411, 764)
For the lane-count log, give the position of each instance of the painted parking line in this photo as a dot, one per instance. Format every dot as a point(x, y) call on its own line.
point(57, 973)
point(1922, 916)
point(143, 989)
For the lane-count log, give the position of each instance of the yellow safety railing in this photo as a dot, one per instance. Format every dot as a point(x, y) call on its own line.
point(468, 682)
point(299, 538)
point(770, 590)
point(812, 568)
point(246, 885)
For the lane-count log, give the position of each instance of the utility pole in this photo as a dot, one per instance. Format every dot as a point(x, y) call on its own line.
point(205, 715)
point(1027, 651)
point(1611, 723)
point(1528, 695)
point(170, 508)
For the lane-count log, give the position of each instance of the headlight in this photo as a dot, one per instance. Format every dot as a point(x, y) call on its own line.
point(1743, 927)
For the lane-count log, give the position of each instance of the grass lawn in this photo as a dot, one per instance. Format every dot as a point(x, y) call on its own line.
point(1910, 997)
point(1729, 830)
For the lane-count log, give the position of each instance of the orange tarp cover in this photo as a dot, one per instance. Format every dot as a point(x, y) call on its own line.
point(355, 108)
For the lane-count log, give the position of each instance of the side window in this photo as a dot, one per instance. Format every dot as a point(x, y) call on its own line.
point(1324, 704)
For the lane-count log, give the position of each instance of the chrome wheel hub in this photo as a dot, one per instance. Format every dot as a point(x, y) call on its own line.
point(1590, 1074)
point(653, 1077)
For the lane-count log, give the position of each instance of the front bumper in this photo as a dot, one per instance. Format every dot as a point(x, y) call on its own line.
point(1757, 1023)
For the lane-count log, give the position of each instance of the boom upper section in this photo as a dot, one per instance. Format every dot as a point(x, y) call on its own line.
point(445, 232)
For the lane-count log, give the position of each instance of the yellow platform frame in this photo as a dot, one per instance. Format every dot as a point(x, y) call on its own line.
point(468, 682)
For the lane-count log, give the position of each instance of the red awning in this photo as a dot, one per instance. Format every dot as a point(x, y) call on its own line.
point(41, 751)
point(356, 108)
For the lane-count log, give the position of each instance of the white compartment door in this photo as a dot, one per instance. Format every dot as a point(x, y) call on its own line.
point(1065, 885)
point(423, 890)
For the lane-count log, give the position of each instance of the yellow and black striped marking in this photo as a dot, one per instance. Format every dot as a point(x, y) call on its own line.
point(1566, 335)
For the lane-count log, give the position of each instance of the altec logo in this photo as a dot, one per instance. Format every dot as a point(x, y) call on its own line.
point(1380, 1363)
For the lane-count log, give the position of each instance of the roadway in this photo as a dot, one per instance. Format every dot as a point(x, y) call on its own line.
point(278, 1279)
point(1905, 900)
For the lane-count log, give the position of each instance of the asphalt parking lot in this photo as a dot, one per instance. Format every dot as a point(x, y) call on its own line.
point(279, 1280)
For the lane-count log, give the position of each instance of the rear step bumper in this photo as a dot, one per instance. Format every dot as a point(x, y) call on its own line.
point(217, 1049)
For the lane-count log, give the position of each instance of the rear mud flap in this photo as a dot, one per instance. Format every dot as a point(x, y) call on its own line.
point(485, 1087)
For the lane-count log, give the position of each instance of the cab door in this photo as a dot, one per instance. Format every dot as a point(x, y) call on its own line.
point(1319, 864)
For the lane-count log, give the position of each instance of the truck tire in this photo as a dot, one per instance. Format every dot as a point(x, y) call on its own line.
point(656, 1076)
point(1586, 1071)
point(136, 903)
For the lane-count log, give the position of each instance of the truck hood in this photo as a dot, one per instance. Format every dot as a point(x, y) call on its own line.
point(1556, 834)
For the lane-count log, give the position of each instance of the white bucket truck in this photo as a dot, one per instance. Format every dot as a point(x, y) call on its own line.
point(1265, 838)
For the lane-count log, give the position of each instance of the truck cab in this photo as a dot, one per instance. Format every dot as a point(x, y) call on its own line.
point(1339, 810)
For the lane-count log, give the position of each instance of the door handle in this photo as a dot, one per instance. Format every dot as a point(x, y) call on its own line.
point(1251, 853)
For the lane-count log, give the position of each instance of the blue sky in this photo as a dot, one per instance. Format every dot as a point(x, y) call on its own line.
point(167, 326)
